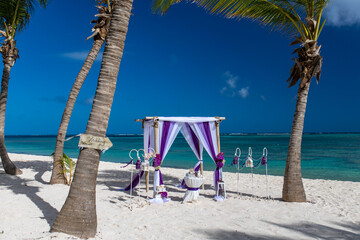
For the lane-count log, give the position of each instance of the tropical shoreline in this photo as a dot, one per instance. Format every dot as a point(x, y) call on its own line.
point(331, 210)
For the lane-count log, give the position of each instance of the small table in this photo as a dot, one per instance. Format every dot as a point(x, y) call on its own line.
point(192, 183)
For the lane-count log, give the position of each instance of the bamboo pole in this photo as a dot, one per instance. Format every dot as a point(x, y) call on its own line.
point(156, 133)
point(201, 166)
point(217, 123)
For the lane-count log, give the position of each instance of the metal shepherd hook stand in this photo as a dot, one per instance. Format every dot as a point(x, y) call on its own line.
point(131, 176)
point(237, 162)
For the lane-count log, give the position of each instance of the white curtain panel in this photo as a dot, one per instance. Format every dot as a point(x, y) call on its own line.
point(187, 135)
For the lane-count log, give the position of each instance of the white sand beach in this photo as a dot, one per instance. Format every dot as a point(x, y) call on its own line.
point(29, 206)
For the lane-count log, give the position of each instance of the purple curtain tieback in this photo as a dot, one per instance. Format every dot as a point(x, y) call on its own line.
point(192, 189)
point(220, 160)
point(157, 161)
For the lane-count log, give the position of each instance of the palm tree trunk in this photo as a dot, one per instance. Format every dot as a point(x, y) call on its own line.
point(57, 176)
point(293, 188)
point(78, 215)
point(9, 166)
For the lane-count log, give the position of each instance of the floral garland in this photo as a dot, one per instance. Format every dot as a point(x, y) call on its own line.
point(220, 160)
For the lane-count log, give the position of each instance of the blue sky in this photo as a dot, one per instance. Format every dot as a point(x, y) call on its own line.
point(185, 63)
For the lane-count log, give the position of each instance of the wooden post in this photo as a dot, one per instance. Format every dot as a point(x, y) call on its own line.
point(217, 123)
point(146, 172)
point(156, 133)
point(201, 167)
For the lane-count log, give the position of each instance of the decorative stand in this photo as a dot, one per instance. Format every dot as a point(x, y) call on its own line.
point(193, 182)
point(250, 163)
point(221, 191)
point(160, 195)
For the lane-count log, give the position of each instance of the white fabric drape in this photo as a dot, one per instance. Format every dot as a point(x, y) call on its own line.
point(187, 135)
point(210, 146)
point(169, 140)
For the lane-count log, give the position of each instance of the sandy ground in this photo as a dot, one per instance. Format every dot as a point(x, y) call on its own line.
point(29, 206)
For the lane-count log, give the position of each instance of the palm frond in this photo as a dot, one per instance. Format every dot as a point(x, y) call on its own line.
point(289, 16)
point(16, 13)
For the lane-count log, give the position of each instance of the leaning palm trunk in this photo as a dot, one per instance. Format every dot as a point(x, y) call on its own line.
point(307, 65)
point(9, 53)
point(293, 189)
point(78, 215)
point(100, 31)
point(57, 176)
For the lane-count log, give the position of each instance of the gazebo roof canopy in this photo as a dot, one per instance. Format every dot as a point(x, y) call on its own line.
point(182, 119)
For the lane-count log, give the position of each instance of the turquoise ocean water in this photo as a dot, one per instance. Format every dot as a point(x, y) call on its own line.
point(324, 156)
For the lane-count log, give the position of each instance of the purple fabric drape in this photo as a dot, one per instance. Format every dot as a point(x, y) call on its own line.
point(194, 140)
point(207, 134)
point(206, 128)
point(135, 181)
point(167, 128)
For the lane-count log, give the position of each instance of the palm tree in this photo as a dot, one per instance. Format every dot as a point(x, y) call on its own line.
point(15, 15)
point(302, 20)
point(78, 214)
point(99, 34)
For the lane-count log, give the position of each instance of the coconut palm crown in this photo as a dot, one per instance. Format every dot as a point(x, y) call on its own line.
point(301, 20)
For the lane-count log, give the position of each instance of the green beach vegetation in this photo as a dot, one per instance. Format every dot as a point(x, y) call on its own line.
point(15, 15)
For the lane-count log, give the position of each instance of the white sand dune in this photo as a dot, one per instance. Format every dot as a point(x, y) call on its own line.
point(29, 206)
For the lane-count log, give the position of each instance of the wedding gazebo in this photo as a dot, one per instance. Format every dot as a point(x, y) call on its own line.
point(199, 132)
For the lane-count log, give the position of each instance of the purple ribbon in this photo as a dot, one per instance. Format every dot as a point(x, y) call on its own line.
point(235, 160)
point(160, 176)
point(264, 160)
point(192, 189)
point(135, 181)
point(127, 164)
point(138, 164)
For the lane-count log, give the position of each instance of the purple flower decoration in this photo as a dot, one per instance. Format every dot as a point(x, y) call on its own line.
point(219, 160)
point(164, 194)
point(235, 160)
point(138, 164)
point(220, 157)
point(157, 161)
point(263, 160)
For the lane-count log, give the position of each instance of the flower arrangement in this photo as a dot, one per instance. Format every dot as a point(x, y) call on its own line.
point(220, 160)
point(157, 161)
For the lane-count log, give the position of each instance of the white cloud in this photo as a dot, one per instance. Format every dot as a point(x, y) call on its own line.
point(223, 90)
point(263, 97)
point(343, 13)
point(81, 55)
point(231, 79)
point(231, 86)
point(244, 92)
point(88, 101)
